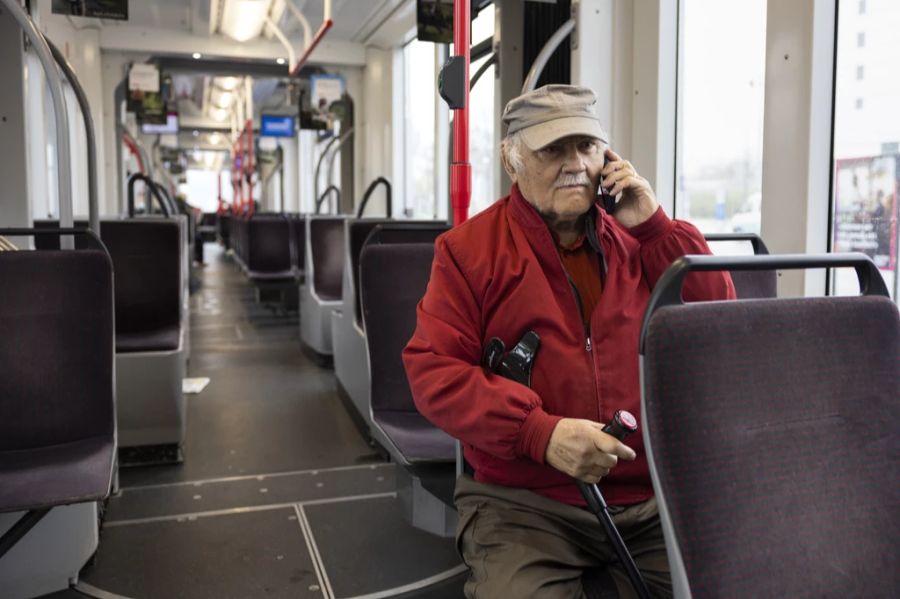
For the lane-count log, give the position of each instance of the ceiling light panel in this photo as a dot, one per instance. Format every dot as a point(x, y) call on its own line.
point(227, 83)
point(243, 20)
point(222, 99)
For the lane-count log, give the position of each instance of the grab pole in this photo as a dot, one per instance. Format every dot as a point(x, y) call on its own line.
point(460, 167)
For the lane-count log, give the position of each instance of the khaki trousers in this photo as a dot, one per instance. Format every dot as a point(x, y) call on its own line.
point(519, 544)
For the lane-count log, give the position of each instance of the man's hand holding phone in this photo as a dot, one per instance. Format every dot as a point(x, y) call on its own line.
point(638, 202)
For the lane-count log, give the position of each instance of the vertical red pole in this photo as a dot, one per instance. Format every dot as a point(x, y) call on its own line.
point(460, 168)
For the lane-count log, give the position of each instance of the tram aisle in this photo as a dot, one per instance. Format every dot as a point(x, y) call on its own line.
point(278, 495)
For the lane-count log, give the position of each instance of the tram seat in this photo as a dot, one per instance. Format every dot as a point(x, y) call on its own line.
point(393, 279)
point(778, 478)
point(57, 434)
point(347, 329)
point(148, 259)
point(51, 242)
point(223, 229)
point(268, 255)
point(749, 284)
point(320, 293)
point(298, 243)
point(206, 230)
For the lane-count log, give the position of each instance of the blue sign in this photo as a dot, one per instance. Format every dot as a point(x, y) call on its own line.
point(272, 125)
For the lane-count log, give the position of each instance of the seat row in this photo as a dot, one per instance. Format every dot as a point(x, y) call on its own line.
point(269, 247)
point(747, 407)
point(92, 359)
point(152, 343)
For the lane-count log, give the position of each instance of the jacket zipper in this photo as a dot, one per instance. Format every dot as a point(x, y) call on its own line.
point(588, 344)
point(580, 306)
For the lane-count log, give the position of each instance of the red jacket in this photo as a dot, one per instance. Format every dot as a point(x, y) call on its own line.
point(499, 275)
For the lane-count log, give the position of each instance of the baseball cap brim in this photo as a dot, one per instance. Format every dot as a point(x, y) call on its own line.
point(542, 134)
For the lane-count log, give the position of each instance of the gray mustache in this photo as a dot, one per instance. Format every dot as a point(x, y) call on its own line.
point(567, 179)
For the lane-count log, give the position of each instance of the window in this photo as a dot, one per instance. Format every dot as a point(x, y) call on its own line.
point(860, 71)
point(866, 161)
point(720, 114)
point(483, 154)
point(420, 87)
point(861, 39)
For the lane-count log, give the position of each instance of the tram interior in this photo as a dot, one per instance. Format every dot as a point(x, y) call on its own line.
point(222, 214)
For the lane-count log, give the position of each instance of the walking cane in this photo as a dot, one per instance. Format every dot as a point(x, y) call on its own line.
point(516, 365)
point(622, 425)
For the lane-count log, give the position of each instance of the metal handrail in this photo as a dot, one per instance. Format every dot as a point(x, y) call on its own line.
point(63, 159)
point(755, 240)
point(482, 69)
point(667, 291)
point(170, 202)
point(151, 188)
point(540, 61)
point(322, 156)
point(324, 195)
point(91, 140)
point(334, 152)
point(372, 186)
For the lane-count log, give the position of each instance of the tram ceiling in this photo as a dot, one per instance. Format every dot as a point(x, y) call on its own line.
point(177, 28)
point(179, 43)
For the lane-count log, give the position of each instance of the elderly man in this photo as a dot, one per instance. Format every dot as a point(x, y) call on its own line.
point(548, 258)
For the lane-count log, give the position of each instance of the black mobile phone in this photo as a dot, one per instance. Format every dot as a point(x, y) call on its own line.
point(607, 200)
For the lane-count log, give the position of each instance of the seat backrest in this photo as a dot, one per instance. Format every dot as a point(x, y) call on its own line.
point(269, 244)
point(223, 226)
point(385, 231)
point(56, 348)
point(771, 426)
point(748, 284)
point(147, 261)
point(298, 231)
point(51, 242)
point(326, 247)
point(393, 279)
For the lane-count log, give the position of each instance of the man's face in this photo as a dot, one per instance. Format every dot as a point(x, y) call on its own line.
point(560, 179)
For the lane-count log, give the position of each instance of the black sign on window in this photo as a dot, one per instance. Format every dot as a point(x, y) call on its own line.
point(100, 9)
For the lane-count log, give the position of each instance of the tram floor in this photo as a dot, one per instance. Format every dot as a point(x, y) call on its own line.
point(278, 495)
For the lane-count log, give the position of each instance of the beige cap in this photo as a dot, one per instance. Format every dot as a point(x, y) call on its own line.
point(552, 112)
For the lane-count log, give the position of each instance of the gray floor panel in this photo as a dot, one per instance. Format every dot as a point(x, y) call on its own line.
point(135, 503)
point(268, 411)
point(258, 554)
point(366, 547)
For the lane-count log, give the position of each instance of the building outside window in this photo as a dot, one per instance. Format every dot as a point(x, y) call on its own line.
point(483, 153)
point(866, 138)
point(420, 88)
point(720, 115)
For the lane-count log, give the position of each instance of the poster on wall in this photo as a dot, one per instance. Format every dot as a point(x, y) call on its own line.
point(434, 21)
point(865, 208)
point(147, 93)
point(100, 9)
point(320, 102)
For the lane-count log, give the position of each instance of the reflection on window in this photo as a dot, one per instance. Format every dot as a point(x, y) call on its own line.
point(420, 87)
point(482, 153)
point(866, 136)
point(720, 114)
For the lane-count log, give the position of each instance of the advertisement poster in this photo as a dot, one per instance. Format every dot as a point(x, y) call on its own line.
point(434, 19)
point(147, 93)
point(101, 9)
point(320, 102)
point(865, 214)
